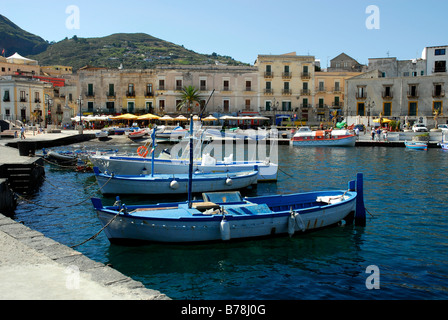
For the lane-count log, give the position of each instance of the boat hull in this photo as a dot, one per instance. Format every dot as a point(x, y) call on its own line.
point(173, 184)
point(416, 146)
point(334, 142)
point(183, 225)
point(136, 165)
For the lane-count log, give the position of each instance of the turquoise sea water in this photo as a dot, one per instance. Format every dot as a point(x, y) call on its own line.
point(406, 236)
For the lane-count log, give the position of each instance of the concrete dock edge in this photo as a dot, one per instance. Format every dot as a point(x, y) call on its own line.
point(34, 267)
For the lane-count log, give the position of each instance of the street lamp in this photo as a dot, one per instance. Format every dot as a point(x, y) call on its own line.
point(79, 101)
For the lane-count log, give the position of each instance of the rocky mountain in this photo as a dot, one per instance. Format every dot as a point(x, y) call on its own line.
point(131, 50)
point(13, 39)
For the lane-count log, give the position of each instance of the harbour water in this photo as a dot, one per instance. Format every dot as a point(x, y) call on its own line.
point(406, 237)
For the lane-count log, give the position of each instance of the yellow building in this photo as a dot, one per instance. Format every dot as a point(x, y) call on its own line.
point(329, 92)
point(286, 84)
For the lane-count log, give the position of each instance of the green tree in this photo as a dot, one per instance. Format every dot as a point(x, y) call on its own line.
point(190, 95)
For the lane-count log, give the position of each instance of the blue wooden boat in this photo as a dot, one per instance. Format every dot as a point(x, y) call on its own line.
point(224, 216)
point(416, 145)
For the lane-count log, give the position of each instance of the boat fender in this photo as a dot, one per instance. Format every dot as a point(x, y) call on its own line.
point(300, 222)
point(145, 172)
point(174, 185)
point(229, 182)
point(291, 224)
point(225, 230)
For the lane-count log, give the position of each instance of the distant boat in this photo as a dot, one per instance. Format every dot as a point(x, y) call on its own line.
point(416, 145)
point(102, 135)
point(156, 184)
point(225, 216)
point(137, 134)
point(305, 137)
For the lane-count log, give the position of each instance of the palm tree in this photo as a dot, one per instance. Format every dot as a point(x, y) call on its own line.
point(190, 95)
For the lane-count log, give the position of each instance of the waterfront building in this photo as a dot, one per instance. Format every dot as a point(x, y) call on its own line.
point(344, 62)
point(286, 85)
point(22, 98)
point(159, 90)
point(402, 98)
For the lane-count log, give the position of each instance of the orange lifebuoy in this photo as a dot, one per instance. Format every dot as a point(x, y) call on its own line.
point(143, 151)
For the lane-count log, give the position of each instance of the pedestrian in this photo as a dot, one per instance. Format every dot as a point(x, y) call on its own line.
point(373, 134)
point(385, 135)
point(22, 133)
point(378, 134)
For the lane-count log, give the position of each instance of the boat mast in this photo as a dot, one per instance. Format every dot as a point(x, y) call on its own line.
point(190, 169)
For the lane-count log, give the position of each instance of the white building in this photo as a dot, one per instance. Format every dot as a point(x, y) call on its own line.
point(21, 99)
point(436, 59)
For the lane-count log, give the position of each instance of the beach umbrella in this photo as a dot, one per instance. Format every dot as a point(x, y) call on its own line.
point(148, 116)
point(166, 118)
point(180, 118)
point(384, 120)
point(210, 118)
point(126, 116)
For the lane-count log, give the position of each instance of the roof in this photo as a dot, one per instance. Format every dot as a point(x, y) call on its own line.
point(17, 58)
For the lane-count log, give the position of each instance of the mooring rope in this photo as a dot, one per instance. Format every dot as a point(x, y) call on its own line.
point(99, 232)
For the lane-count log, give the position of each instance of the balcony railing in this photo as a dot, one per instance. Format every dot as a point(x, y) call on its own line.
point(438, 93)
point(305, 75)
point(88, 94)
point(412, 94)
point(286, 75)
point(268, 91)
point(305, 92)
point(387, 95)
point(361, 95)
point(439, 69)
point(110, 95)
point(321, 89)
point(226, 88)
point(130, 93)
point(269, 74)
point(336, 89)
point(287, 91)
point(149, 94)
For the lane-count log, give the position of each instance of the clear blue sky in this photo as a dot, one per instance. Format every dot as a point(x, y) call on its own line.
point(243, 29)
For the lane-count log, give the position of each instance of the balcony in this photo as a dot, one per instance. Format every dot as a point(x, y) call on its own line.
point(286, 75)
point(439, 69)
point(337, 89)
point(286, 91)
point(269, 75)
point(226, 88)
point(110, 95)
point(268, 91)
point(321, 89)
point(305, 75)
point(88, 94)
point(23, 100)
point(413, 94)
point(130, 94)
point(387, 95)
point(438, 93)
point(149, 94)
point(305, 92)
point(37, 101)
point(361, 95)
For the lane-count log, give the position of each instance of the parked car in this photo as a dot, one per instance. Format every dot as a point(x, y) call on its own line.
point(419, 127)
point(444, 127)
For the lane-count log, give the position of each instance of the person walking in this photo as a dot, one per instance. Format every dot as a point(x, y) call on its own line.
point(22, 133)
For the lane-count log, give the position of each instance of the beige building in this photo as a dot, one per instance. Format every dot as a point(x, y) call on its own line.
point(16, 64)
point(22, 98)
point(286, 84)
point(158, 90)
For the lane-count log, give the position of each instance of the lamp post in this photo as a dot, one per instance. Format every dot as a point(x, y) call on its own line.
point(79, 101)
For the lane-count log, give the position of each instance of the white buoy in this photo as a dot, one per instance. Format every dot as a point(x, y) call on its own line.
point(292, 224)
point(174, 185)
point(225, 230)
point(229, 182)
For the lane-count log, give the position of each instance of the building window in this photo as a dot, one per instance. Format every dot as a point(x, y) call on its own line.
point(131, 90)
point(247, 105)
point(90, 106)
point(286, 105)
point(90, 90)
point(362, 92)
point(439, 52)
point(321, 86)
point(321, 103)
point(161, 84)
point(361, 109)
point(36, 97)
point(440, 66)
point(6, 97)
point(131, 107)
point(226, 104)
point(413, 108)
point(226, 85)
point(149, 108)
point(387, 109)
point(111, 92)
point(203, 85)
point(162, 106)
point(178, 85)
point(438, 92)
point(437, 107)
point(149, 92)
point(110, 106)
point(413, 92)
point(268, 105)
point(248, 85)
point(22, 96)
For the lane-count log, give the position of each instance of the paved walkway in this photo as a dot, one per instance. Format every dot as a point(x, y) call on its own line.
point(33, 267)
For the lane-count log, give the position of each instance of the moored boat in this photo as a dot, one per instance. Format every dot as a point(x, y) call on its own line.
point(224, 216)
point(155, 184)
point(137, 134)
point(416, 145)
point(305, 137)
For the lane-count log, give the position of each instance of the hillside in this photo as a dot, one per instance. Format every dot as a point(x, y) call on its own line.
point(133, 51)
point(13, 39)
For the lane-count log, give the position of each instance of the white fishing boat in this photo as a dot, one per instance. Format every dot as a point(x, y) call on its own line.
point(156, 184)
point(225, 216)
point(305, 137)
